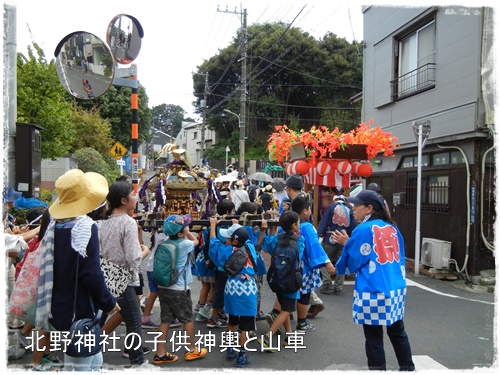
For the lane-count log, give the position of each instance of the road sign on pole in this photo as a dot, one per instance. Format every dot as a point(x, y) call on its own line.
point(118, 150)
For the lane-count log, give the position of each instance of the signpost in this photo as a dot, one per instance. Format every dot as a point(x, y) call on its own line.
point(118, 151)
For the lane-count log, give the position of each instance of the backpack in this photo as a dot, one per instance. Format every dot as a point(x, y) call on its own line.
point(165, 271)
point(285, 274)
point(252, 192)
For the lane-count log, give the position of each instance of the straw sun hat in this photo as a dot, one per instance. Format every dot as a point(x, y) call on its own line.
point(78, 193)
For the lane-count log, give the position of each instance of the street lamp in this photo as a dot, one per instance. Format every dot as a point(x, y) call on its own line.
point(422, 131)
point(227, 151)
point(242, 141)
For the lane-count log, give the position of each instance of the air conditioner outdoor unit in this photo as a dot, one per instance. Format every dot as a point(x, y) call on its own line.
point(435, 253)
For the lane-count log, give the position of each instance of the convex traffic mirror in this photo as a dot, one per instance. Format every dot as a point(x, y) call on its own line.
point(124, 37)
point(85, 65)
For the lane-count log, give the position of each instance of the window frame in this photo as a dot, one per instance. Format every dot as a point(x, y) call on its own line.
point(422, 78)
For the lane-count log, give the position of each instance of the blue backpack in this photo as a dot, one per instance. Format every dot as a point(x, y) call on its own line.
point(285, 274)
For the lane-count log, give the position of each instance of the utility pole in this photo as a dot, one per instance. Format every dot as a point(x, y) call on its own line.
point(204, 105)
point(243, 86)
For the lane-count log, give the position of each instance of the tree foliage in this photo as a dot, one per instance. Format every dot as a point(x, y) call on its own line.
point(168, 118)
point(116, 106)
point(89, 160)
point(292, 78)
point(91, 130)
point(41, 100)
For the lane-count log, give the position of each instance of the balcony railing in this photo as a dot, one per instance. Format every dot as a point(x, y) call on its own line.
point(414, 82)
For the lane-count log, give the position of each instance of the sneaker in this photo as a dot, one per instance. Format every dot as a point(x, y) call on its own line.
point(305, 327)
point(165, 358)
point(222, 316)
point(15, 353)
point(270, 319)
point(204, 312)
point(175, 323)
point(231, 353)
point(265, 344)
point(200, 318)
point(243, 360)
point(149, 324)
point(326, 288)
point(195, 354)
point(145, 350)
point(22, 340)
point(218, 323)
point(197, 307)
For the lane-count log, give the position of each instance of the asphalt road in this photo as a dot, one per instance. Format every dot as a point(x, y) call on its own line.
point(449, 327)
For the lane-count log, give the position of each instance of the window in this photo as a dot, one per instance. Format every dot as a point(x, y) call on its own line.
point(416, 62)
point(434, 196)
point(195, 135)
point(412, 161)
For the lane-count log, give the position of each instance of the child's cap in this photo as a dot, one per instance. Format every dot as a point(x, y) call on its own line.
point(235, 232)
point(175, 223)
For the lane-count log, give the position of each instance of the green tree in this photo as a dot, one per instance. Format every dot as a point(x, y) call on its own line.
point(89, 160)
point(168, 118)
point(91, 131)
point(292, 78)
point(42, 100)
point(116, 106)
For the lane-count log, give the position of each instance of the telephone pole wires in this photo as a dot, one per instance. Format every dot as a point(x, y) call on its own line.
point(243, 85)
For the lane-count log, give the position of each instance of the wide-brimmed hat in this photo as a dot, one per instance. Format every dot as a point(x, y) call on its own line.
point(78, 193)
point(175, 223)
point(10, 195)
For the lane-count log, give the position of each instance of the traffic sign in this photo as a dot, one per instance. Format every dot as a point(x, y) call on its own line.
point(118, 150)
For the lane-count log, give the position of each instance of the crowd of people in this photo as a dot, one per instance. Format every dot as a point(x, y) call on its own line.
point(91, 220)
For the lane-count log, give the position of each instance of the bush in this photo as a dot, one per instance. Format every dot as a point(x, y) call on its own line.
point(89, 160)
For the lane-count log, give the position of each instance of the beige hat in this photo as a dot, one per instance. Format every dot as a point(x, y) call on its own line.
point(78, 194)
point(240, 185)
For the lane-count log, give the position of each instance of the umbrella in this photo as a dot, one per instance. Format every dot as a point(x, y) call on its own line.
point(279, 183)
point(260, 176)
point(226, 177)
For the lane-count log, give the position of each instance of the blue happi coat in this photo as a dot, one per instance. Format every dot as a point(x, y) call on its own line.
point(375, 252)
point(240, 294)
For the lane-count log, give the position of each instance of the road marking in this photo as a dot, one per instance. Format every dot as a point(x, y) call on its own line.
point(424, 362)
point(413, 283)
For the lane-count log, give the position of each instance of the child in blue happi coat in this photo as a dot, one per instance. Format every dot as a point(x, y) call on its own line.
point(313, 259)
point(240, 293)
point(253, 235)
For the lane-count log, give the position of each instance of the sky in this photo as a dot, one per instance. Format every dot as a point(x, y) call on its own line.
point(178, 35)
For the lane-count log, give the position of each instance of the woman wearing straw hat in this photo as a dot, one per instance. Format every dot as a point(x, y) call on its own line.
point(70, 237)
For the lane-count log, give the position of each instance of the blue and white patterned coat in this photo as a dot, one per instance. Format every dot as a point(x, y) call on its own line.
point(240, 293)
point(375, 252)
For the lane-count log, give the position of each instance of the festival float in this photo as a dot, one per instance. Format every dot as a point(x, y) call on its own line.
point(173, 190)
point(328, 158)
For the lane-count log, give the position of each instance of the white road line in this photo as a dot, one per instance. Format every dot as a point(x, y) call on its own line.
point(413, 283)
point(424, 362)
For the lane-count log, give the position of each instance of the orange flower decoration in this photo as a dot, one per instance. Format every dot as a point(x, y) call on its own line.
point(320, 142)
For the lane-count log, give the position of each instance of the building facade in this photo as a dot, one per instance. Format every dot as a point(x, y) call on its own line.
point(434, 66)
point(196, 139)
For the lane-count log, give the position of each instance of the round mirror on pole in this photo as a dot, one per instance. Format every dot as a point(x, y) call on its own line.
point(84, 65)
point(124, 36)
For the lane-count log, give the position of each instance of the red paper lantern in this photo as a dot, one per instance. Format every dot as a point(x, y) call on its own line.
point(302, 167)
point(344, 168)
point(355, 167)
point(323, 168)
point(365, 170)
point(288, 169)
